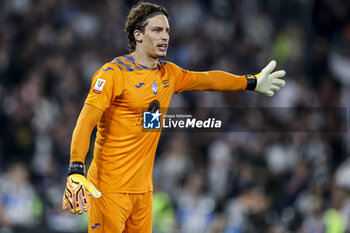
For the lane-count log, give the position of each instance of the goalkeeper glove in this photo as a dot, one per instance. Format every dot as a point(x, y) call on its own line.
point(266, 82)
point(75, 197)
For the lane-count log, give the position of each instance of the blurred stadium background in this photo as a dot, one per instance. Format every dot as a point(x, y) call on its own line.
point(233, 182)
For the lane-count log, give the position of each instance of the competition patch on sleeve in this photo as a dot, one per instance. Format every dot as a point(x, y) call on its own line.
point(99, 85)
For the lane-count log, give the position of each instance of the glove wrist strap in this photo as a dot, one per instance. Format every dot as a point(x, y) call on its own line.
point(76, 168)
point(251, 82)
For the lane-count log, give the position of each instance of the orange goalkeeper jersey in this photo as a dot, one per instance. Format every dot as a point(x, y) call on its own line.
point(123, 89)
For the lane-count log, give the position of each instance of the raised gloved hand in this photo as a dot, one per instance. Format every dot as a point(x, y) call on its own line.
point(75, 196)
point(267, 82)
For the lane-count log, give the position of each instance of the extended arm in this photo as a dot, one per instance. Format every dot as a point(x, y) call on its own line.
point(266, 82)
point(217, 81)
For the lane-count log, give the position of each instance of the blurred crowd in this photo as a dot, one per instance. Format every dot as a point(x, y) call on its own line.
point(230, 182)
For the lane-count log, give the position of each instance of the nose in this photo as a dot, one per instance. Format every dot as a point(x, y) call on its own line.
point(165, 36)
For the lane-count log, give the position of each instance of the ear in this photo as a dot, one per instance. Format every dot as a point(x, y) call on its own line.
point(138, 35)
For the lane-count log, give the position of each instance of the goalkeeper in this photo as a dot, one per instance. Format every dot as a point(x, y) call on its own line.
point(118, 190)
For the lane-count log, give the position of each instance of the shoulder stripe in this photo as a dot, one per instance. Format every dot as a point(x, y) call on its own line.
point(120, 64)
point(128, 63)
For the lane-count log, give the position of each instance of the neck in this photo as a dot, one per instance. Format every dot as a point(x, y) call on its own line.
point(144, 59)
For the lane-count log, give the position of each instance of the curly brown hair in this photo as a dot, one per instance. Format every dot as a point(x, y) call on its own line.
point(137, 20)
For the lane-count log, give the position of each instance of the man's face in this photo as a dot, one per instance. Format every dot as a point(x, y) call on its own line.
point(154, 41)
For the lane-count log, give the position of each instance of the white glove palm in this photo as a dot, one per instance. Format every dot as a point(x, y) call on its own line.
point(268, 82)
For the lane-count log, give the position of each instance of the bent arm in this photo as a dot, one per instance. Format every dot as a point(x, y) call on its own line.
point(87, 120)
point(217, 81)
